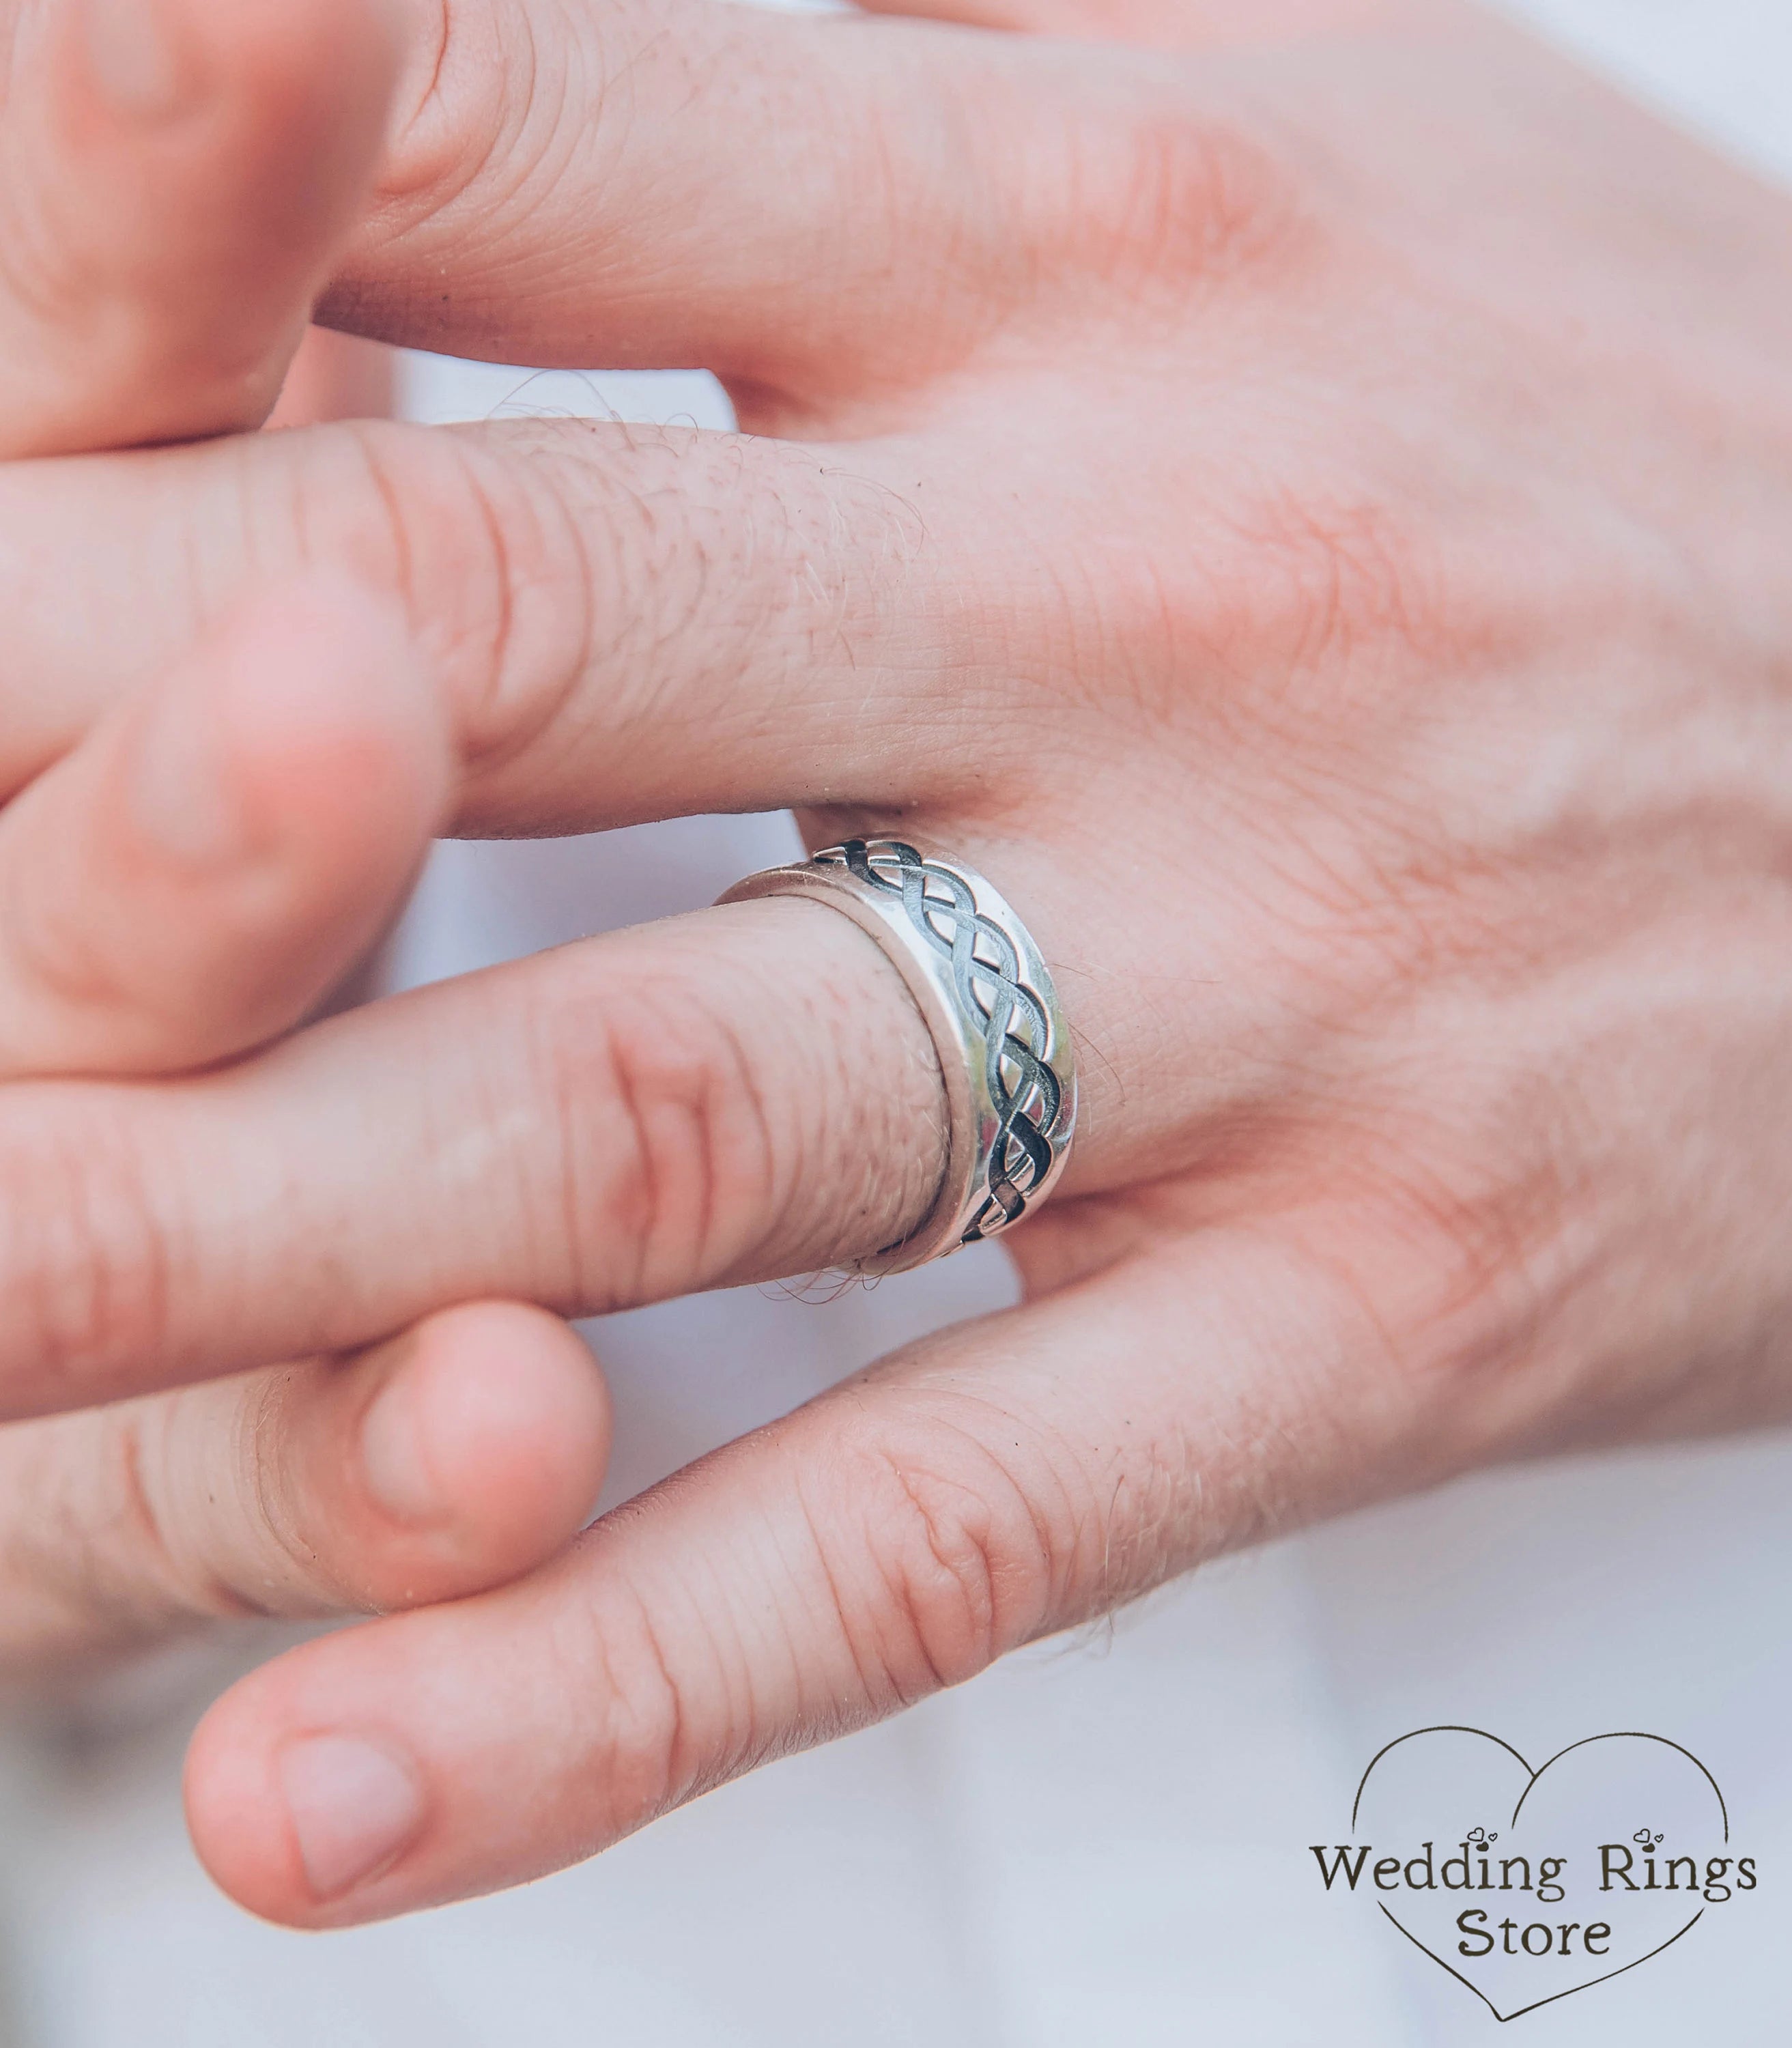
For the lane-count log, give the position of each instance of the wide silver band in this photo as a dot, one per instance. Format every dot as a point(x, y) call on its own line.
point(1004, 1046)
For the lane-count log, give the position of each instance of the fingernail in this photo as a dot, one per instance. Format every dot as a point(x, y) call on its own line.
point(182, 796)
point(135, 57)
point(354, 1807)
point(393, 1462)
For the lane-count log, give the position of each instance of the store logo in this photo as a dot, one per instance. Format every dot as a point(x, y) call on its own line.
point(1528, 1885)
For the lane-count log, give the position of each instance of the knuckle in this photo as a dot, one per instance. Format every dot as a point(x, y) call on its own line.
point(940, 1553)
point(156, 1569)
point(88, 1260)
point(672, 1172)
point(269, 1551)
point(483, 551)
point(640, 1754)
point(1438, 1260)
point(201, 1517)
point(86, 1551)
point(1166, 193)
point(485, 121)
point(449, 109)
point(603, 551)
point(332, 493)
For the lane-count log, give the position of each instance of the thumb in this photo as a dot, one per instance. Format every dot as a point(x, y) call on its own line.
point(1004, 1479)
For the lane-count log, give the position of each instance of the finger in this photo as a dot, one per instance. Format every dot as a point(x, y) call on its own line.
point(626, 621)
point(732, 1096)
point(1003, 1481)
point(831, 214)
point(582, 185)
point(447, 1461)
point(178, 176)
point(220, 850)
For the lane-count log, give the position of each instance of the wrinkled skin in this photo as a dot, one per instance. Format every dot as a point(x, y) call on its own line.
point(1300, 502)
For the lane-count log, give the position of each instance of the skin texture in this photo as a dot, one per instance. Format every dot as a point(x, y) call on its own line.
point(1302, 507)
point(144, 297)
point(187, 882)
point(197, 873)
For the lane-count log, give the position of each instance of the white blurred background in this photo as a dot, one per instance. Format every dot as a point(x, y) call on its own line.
point(1103, 1842)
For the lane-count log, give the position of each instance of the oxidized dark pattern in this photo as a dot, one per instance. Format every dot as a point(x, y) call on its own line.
point(942, 909)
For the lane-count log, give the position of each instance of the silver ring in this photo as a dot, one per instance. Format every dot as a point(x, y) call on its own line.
point(1004, 1046)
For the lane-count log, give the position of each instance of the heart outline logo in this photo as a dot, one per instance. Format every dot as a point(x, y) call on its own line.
point(1483, 1838)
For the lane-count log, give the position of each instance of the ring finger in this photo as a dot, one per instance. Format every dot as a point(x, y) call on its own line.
point(644, 1115)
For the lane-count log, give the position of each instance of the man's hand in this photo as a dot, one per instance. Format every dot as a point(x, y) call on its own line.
point(185, 884)
point(1304, 515)
point(195, 875)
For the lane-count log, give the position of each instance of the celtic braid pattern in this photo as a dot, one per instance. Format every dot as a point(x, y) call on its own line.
point(1015, 1030)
